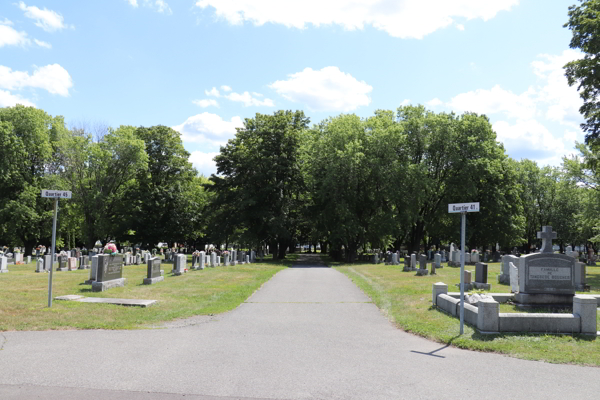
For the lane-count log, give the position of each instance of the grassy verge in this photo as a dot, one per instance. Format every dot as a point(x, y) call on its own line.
point(406, 300)
point(24, 302)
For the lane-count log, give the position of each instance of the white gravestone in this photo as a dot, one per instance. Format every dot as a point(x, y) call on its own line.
point(213, 259)
point(247, 259)
point(413, 261)
point(514, 278)
point(437, 260)
point(181, 264)
point(202, 259)
point(39, 265)
point(3, 264)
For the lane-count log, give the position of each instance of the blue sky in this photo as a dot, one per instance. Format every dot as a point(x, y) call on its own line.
point(202, 66)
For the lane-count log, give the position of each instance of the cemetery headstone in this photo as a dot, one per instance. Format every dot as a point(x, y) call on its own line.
point(422, 265)
point(154, 274)
point(413, 262)
point(109, 273)
point(47, 262)
point(180, 264)
point(213, 259)
point(437, 260)
point(504, 277)
point(546, 278)
point(3, 264)
point(247, 259)
point(62, 263)
point(39, 265)
point(481, 276)
point(580, 272)
point(514, 277)
point(202, 259)
point(28, 259)
point(72, 263)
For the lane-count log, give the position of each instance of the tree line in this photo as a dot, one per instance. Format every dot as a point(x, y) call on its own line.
point(346, 183)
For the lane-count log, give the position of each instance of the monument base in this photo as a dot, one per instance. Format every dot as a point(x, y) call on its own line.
point(62, 269)
point(484, 286)
point(89, 282)
point(422, 272)
point(151, 281)
point(84, 267)
point(543, 300)
point(504, 278)
point(2, 271)
point(102, 286)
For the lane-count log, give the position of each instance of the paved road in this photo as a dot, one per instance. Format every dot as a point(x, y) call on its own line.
point(308, 333)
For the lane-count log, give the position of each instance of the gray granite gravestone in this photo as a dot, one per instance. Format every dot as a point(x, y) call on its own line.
point(546, 278)
point(481, 276)
point(47, 262)
point(109, 273)
point(62, 263)
point(154, 272)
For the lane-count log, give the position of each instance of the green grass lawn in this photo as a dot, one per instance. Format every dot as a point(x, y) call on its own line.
point(406, 299)
point(24, 300)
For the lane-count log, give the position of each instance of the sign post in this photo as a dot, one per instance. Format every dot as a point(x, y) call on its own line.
point(55, 194)
point(463, 209)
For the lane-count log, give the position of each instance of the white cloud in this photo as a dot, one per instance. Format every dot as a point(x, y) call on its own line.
point(162, 7)
point(204, 162)
point(460, 27)
point(530, 139)
point(434, 102)
point(328, 89)
point(212, 92)
point(48, 20)
point(529, 124)
point(42, 44)
point(53, 78)
point(248, 100)
point(405, 102)
point(133, 3)
point(209, 129)
point(9, 36)
point(206, 103)
point(399, 18)
point(496, 100)
point(9, 100)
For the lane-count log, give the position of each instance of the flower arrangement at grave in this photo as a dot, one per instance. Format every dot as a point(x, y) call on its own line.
point(110, 248)
point(225, 253)
point(17, 250)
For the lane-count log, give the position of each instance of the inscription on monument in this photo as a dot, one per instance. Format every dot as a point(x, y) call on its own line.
point(549, 273)
point(109, 267)
point(154, 268)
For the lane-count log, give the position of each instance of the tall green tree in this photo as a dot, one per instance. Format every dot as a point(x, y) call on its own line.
point(259, 172)
point(164, 203)
point(99, 173)
point(584, 22)
point(30, 139)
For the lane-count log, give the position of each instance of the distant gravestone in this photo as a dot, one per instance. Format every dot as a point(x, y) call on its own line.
point(413, 261)
point(154, 274)
point(47, 262)
point(93, 270)
point(39, 265)
point(3, 264)
point(72, 263)
point(180, 264)
point(109, 273)
point(83, 262)
point(213, 259)
point(481, 276)
point(422, 261)
point(226, 261)
point(437, 260)
point(514, 277)
point(62, 263)
point(247, 259)
point(504, 277)
point(202, 259)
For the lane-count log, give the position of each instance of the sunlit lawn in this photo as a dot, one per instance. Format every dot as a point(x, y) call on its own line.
point(406, 300)
point(24, 300)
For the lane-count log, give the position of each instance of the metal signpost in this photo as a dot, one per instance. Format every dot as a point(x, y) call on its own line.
point(54, 194)
point(463, 209)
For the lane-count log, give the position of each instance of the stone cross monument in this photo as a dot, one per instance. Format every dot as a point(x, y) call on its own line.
point(546, 235)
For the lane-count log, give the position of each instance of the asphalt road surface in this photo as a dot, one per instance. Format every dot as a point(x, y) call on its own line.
point(308, 333)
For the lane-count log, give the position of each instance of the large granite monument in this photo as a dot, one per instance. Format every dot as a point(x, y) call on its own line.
point(109, 273)
point(154, 272)
point(546, 278)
